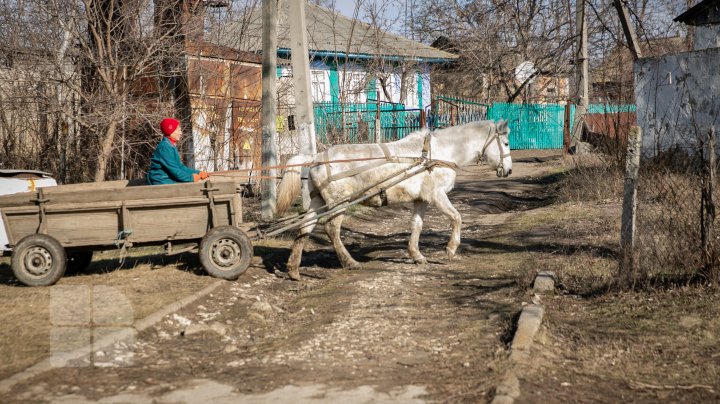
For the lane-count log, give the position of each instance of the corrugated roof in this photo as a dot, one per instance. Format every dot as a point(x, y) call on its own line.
point(330, 32)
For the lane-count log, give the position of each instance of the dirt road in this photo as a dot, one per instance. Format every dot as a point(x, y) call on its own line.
point(390, 332)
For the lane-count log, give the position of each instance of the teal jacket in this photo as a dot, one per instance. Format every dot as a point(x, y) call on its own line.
point(166, 167)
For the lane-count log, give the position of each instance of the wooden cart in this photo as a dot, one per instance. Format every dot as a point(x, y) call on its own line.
point(59, 227)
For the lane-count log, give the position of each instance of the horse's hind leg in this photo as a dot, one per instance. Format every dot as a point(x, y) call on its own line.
point(293, 264)
point(332, 227)
point(416, 228)
point(443, 203)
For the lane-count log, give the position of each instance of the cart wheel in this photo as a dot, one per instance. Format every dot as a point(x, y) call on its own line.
point(38, 260)
point(77, 261)
point(225, 252)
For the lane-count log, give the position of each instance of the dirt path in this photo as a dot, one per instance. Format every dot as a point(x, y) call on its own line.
point(390, 332)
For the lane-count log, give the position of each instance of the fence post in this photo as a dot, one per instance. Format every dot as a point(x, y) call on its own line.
point(707, 210)
point(378, 123)
point(566, 129)
point(627, 236)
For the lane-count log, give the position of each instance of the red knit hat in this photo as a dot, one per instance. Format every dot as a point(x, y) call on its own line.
point(168, 126)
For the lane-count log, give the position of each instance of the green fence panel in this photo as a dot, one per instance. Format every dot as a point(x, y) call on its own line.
point(532, 126)
point(540, 126)
point(355, 123)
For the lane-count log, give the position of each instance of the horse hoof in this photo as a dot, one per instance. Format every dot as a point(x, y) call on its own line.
point(420, 261)
point(352, 265)
point(450, 254)
point(294, 274)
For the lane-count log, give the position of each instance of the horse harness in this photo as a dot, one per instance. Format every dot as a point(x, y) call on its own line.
point(424, 159)
point(425, 156)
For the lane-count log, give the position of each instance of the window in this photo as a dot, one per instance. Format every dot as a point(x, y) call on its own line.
point(319, 86)
point(352, 86)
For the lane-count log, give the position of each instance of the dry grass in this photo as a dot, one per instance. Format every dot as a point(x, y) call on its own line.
point(668, 223)
point(657, 343)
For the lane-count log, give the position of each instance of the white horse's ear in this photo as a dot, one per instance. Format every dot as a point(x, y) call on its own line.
point(502, 125)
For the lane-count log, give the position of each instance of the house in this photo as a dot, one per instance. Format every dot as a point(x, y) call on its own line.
point(225, 97)
point(705, 18)
point(678, 95)
point(462, 79)
point(214, 89)
point(353, 66)
point(350, 61)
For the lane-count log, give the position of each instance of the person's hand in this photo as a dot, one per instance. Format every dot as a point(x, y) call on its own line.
point(202, 175)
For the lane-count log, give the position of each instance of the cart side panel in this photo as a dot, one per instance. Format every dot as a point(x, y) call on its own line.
point(166, 223)
point(153, 224)
point(68, 228)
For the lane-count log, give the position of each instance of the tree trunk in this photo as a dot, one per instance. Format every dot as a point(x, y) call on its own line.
point(105, 151)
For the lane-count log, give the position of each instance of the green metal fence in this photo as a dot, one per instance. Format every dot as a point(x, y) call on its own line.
point(540, 126)
point(356, 123)
point(532, 126)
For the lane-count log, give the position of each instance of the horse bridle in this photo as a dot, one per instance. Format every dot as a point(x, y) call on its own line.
point(488, 142)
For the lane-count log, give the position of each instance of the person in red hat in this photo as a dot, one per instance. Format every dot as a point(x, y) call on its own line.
point(165, 164)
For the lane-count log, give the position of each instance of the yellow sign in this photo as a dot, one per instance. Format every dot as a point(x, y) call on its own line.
point(246, 145)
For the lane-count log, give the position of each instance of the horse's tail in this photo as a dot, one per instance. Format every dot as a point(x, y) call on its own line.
point(289, 187)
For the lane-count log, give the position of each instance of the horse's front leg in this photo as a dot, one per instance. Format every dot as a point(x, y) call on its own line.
point(443, 203)
point(416, 225)
point(293, 264)
point(332, 227)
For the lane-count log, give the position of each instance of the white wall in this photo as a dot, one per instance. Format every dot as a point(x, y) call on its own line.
point(678, 99)
point(706, 37)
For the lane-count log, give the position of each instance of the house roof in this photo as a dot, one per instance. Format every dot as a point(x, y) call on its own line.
point(330, 34)
point(705, 12)
point(617, 65)
point(209, 50)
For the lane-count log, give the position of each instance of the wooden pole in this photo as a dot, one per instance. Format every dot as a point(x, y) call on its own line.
point(301, 82)
point(566, 129)
point(581, 71)
point(627, 236)
point(269, 104)
point(628, 28)
point(708, 210)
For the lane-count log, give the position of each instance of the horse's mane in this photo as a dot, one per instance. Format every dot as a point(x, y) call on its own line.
point(418, 135)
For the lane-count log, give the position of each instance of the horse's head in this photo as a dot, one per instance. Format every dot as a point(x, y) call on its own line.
point(496, 150)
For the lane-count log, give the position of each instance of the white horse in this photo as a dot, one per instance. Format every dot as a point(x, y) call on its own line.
point(345, 171)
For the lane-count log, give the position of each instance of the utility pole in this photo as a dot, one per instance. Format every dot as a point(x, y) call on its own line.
point(305, 119)
point(628, 28)
point(581, 71)
point(269, 103)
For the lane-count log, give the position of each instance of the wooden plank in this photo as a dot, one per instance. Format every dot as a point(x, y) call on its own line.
point(92, 227)
point(58, 195)
point(83, 207)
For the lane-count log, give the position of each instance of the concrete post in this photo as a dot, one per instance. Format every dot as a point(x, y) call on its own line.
point(301, 81)
point(627, 236)
point(582, 72)
point(269, 103)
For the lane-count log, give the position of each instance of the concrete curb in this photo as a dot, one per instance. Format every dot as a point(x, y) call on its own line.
point(56, 361)
point(527, 328)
